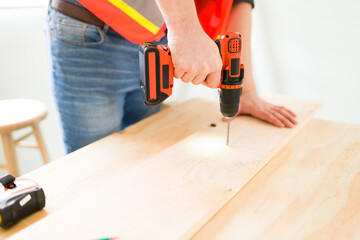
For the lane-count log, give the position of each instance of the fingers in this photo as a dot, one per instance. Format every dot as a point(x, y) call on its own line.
point(188, 77)
point(194, 79)
point(212, 80)
point(285, 111)
point(285, 121)
point(271, 118)
point(289, 111)
point(199, 79)
point(178, 73)
point(287, 114)
point(279, 117)
point(193, 61)
point(276, 115)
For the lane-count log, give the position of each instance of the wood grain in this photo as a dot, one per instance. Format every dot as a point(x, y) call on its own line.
point(172, 194)
point(310, 190)
point(97, 163)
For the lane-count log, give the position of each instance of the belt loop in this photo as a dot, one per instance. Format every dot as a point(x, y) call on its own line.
point(105, 28)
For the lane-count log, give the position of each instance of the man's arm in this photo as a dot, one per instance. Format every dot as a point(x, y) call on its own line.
point(250, 103)
point(195, 56)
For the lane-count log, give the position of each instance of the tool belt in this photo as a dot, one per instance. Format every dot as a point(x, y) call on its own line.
point(76, 12)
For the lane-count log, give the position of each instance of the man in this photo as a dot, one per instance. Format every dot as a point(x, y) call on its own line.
point(95, 70)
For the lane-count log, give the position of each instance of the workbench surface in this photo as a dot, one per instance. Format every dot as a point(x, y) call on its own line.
point(310, 189)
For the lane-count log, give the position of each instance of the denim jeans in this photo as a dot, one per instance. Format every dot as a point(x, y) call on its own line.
point(95, 79)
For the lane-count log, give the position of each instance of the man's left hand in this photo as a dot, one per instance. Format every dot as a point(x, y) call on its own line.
point(252, 104)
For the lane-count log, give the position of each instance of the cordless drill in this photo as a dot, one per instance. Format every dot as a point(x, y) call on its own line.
point(157, 72)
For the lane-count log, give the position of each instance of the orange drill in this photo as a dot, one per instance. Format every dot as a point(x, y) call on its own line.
point(157, 72)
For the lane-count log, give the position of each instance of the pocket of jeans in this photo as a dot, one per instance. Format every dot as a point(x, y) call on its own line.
point(74, 32)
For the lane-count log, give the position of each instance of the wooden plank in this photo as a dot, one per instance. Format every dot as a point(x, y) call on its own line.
point(309, 190)
point(97, 163)
point(171, 195)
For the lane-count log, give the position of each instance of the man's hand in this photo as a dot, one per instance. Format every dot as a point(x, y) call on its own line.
point(196, 57)
point(250, 103)
point(279, 116)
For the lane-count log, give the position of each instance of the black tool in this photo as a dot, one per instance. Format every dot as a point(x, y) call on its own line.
point(18, 199)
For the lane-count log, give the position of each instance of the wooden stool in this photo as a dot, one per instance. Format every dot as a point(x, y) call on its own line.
point(16, 114)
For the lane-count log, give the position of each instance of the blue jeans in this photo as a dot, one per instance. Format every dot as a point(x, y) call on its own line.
point(95, 76)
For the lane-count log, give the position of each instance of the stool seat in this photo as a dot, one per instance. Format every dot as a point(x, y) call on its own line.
point(20, 113)
point(16, 114)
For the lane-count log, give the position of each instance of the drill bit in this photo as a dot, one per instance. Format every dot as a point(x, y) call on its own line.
point(228, 131)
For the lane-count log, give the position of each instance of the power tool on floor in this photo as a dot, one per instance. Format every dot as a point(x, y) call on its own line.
point(18, 199)
point(157, 72)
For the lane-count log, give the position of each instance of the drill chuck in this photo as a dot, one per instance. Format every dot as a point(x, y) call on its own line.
point(229, 101)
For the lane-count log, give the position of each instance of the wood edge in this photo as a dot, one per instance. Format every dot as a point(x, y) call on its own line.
point(268, 97)
point(356, 125)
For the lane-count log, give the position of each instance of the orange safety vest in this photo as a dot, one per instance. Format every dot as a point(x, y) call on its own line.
point(141, 21)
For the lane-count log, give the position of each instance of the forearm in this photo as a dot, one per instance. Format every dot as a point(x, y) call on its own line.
point(183, 19)
point(240, 21)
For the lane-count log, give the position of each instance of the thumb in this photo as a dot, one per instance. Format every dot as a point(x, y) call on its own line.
point(237, 114)
point(225, 119)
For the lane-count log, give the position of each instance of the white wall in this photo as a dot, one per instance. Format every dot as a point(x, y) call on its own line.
point(24, 74)
point(305, 48)
point(310, 49)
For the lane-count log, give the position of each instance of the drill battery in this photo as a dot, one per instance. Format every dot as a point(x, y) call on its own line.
point(156, 73)
point(18, 199)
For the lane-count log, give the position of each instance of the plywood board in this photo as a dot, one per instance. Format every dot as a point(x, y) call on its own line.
point(310, 190)
point(98, 163)
point(172, 194)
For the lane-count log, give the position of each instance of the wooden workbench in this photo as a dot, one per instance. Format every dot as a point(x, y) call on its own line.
point(310, 189)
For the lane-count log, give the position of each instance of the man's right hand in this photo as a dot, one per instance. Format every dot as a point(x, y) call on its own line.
point(195, 56)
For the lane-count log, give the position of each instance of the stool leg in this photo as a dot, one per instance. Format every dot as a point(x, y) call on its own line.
point(41, 143)
point(10, 154)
